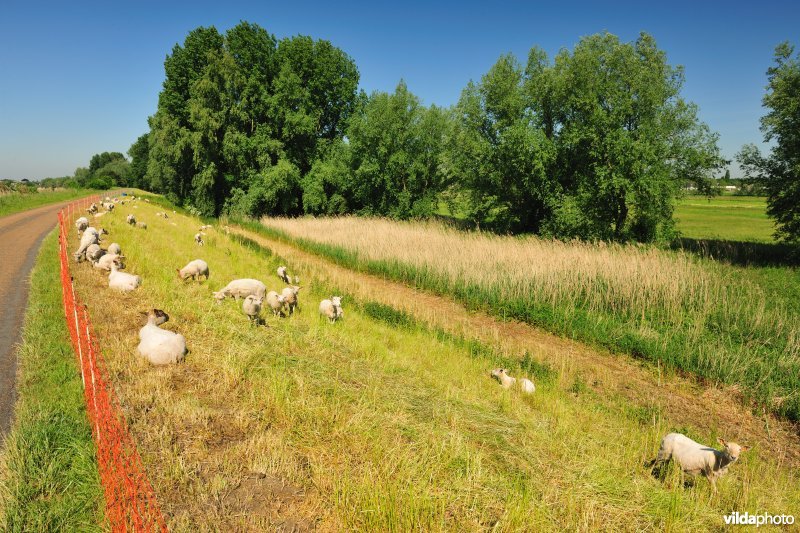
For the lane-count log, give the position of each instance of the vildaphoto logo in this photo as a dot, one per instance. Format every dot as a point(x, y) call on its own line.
point(746, 519)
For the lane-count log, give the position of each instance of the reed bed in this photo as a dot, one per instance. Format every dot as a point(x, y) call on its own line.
point(689, 314)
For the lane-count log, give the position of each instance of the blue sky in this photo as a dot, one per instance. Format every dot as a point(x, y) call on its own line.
point(81, 78)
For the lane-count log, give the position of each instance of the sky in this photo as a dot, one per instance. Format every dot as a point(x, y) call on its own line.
point(80, 78)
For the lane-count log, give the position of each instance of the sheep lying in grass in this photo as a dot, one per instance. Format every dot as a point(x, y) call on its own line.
point(695, 458)
point(194, 269)
point(92, 209)
point(332, 308)
point(94, 252)
point(90, 236)
point(109, 206)
point(122, 281)
point(82, 223)
point(142, 225)
point(241, 288)
point(162, 215)
point(105, 262)
point(130, 219)
point(160, 346)
point(115, 248)
point(524, 384)
point(283, 274)
point(252, 308)
point(290, 297)
point(276, 302)
point(198, 238)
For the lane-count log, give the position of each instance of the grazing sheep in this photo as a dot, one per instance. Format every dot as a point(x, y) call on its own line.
point(332, 308)
point(198, 238)
point(290, 297)
point(160, 346)
point(82, 223)
point(94, 252)
point(276, 302)
point(525, 385)
point(694, 458)
point(241, 288)
point(283, 274)
point(130, 219)
point(194, 269)
point(115, 248)
point(105, 262)
point(252, 308)
point(122, 281)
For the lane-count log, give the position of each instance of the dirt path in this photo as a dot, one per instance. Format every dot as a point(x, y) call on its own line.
point(682, 402)
point(21, 234)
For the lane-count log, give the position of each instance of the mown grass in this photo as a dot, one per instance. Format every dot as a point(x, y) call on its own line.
point(694, 315)
point(375, 422)
point(12, 203)
point(48, 470)
point(727, 217)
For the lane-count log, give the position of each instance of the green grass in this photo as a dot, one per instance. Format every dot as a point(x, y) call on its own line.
point(48, 471)
point(379, 422)
point(730, 218)
point(12, 203)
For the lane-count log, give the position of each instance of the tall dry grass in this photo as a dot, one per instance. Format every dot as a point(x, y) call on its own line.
point(656, 304)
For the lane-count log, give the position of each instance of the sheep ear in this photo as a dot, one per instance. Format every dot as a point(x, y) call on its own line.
point(722, 441)
point(744, 448)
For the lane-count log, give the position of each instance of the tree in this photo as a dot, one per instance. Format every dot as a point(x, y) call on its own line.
point(779, 172)
point(139, 153)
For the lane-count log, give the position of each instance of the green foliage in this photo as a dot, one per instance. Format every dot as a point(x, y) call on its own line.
point(780, 171)
point(139, 153)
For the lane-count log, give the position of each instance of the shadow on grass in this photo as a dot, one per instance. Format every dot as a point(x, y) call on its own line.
point(741, 253)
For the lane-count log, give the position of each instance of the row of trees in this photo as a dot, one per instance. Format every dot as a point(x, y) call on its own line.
point(595, 143)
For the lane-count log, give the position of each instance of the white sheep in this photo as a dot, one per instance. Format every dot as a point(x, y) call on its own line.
point(198, 238)
point(162, 214)
point(92, 208)
point(130, 219)
point(160, 346)
point(252, 308)
point(283, 274)
point(695, 458)
point(105, 262)
point(122, 281)
point(276, 302)
point(94, 252)
point(332, 308)
point(115, 248)
point(241, 288)
point(290, 297)
point(142, 225)
point(524, 384)
point(109, 206)
point(82, 223)
point(90, 236)
point(194, 269)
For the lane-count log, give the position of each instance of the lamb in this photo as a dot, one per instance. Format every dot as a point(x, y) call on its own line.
point(252, 308)
point(241, 288)
point(82, 223)
point(115, 248)
point(276, 302)
point(122, 281)
point(194, 269)
point(198, 238)
point(290, 297)
point(105, 262)
point(130, 219)
point(142, 225)
point(525, 385)
point(694, 458)
point(94, 252)
point(160, 346)
point(283, 274)
point(332, 308)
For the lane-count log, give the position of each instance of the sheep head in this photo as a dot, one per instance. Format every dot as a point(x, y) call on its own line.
point(732, 450)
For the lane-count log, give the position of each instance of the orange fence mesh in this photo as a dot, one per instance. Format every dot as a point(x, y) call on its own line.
point(130, 501)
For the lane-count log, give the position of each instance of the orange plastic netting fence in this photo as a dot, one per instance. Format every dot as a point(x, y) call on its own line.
point(130, 501)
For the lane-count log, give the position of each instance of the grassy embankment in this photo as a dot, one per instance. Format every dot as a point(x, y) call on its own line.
point(691, 314)
point(48, 470)
point(375, 422)
point(14, 202)
point(727, 217)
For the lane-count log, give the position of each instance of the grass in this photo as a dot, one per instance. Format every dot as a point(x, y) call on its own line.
point(376, 422)
point(15, 202)
point(661, 306)
point(729, 218)
point(48, 471)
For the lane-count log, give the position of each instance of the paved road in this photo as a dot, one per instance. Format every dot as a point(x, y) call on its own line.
point(21, 235)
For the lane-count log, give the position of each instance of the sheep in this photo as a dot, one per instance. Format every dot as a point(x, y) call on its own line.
point(524, 384)
point(130, 219)
point(252, 308)
point(290, 297)
point(283, 274)
point(105, 262)
point(332, 308)
point(115, 248)
point(90, 236)
point(241, 288)
point(694, 458)
point(109, 206)
point(94, 252)
point(122, 281)
point(194, 269)
point(82, 223)
point(297, 280)
point(204, 227)
point(276, 302)
point(160, 346)
point(161, 214)
point(92, 209)
point(142, 225)
point(198, 238)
